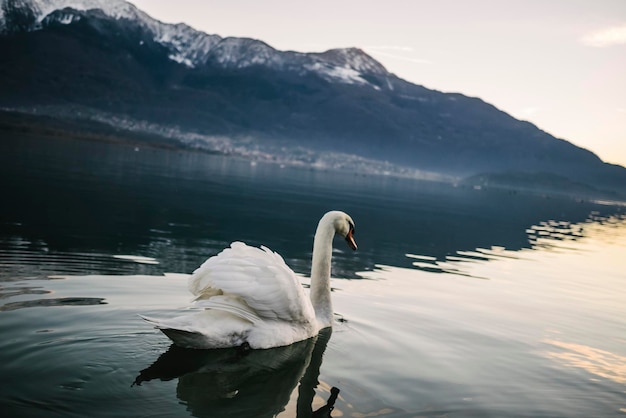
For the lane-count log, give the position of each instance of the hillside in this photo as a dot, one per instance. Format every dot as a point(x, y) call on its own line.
point(115, 65)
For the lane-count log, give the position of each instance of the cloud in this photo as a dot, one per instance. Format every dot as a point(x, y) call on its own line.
point(396, 51)
point(615, 35)
point(530, 111)
point(391, 48)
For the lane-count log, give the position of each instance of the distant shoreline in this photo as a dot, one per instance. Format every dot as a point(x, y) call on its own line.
point(84, 130)
point(23, 123)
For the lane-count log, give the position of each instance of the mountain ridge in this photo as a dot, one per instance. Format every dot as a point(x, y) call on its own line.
point(192, 47)
point(81, 63)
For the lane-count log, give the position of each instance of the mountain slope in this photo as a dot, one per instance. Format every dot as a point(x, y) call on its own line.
point(115, 60)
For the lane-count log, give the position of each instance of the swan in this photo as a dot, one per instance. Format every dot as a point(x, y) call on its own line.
point(252, 299)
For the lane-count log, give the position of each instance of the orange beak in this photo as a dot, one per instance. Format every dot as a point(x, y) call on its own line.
point(350, 240)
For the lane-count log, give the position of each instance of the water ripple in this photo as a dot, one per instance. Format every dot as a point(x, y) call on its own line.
point(551, 235)
point(37, 303)
point(22, 259)
point(454, 264)
point(599, 362)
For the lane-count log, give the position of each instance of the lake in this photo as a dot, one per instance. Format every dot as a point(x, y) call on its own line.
point(458, 302)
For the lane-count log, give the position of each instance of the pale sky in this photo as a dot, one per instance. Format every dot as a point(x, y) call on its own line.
point(560, 64)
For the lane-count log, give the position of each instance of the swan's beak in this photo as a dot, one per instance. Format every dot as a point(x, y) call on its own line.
point(350, 240)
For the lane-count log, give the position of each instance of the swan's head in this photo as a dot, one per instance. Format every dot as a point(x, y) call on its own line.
point(344, 226)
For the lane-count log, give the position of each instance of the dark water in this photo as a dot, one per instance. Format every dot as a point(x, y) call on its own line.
point(458, 303)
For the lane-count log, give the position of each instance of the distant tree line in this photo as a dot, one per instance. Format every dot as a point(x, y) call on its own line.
point(19, 16)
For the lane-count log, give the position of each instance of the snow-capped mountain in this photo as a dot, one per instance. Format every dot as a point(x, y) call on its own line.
point(105, 62)
point(187, 45)
point(194, 48)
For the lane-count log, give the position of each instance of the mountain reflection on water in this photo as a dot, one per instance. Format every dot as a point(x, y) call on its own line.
point(548, 235)
point(177, 208)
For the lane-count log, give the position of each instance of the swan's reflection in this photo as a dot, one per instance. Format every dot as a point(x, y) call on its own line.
point(240, 383)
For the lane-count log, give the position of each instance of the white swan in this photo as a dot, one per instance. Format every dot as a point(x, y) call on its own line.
point(252, 298)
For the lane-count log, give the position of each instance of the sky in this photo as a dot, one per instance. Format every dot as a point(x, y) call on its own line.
point(559, 64)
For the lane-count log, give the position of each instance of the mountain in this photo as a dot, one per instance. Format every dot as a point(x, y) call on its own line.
point(110, 63)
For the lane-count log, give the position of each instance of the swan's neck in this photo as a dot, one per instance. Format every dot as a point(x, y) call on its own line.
point(320, 273)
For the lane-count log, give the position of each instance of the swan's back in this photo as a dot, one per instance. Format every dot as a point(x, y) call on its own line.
point(257, 278)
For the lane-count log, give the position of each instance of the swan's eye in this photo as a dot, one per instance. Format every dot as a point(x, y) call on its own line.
point(352, 228)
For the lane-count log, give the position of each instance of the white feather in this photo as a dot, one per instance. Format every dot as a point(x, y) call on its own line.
point(259, 277)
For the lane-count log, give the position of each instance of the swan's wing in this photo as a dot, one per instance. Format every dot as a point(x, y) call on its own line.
point(258, 277)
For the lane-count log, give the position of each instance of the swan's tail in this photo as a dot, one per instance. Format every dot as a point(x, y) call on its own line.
point(151, 321)
point(181, 337)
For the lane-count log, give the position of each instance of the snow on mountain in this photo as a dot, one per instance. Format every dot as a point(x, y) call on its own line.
point(187, 45)
point(113, 8)
point(354, 59)
point(347, 65)
point(194, 48)
point(244, 52)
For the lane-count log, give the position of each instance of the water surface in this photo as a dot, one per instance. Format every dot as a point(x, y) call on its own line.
point(458, 302)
